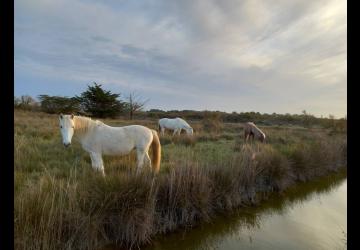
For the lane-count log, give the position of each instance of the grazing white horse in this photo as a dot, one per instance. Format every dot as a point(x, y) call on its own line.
point(176, 124)
point(98, 138)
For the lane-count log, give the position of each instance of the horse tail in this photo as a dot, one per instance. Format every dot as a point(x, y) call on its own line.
point(159, 127)
point(156, 151)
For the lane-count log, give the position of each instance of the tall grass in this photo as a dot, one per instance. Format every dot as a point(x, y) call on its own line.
point(60, 203)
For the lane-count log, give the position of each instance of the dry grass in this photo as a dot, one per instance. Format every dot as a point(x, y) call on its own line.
point(60, 203)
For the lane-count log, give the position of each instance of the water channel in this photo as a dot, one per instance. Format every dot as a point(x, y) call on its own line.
point(311, 215)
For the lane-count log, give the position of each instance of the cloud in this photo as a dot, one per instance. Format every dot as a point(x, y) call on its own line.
point(283, 56)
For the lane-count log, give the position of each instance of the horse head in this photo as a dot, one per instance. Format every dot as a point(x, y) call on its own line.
point(67, 126)
point(189, 131)
point(262, 137)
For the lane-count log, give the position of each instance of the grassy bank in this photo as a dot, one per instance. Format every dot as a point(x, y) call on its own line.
point(60, 203)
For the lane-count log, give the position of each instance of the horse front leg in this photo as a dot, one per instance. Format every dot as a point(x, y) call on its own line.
point(246, 135)
point(252, 138)
point(162, 130)
point(97, 162)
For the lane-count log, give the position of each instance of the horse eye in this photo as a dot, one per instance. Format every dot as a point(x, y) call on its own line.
point(60, 126)
point(73, 127)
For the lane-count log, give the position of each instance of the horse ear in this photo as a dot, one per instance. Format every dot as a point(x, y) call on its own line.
point(72, 116)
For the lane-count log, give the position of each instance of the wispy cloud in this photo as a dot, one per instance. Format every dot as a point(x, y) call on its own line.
point(278, 56)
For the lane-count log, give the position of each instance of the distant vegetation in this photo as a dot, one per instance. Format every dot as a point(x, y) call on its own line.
point(59, 104)
point(97, 102)
point(26, 102)
point(94, 102)
point(305, 119)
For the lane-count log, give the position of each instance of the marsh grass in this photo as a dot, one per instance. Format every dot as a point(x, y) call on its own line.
point(61, 203)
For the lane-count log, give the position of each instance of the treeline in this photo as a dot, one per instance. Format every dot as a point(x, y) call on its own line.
point(304, 119)
point(94, 102)
point(97, 102)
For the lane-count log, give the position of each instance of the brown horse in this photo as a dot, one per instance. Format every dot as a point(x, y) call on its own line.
point(251, 130)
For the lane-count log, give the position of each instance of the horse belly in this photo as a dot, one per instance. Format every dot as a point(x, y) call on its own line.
point(116, 145)
point(117, 149)
point(171, 125)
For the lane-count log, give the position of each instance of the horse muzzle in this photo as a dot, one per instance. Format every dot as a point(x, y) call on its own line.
point(67, 144)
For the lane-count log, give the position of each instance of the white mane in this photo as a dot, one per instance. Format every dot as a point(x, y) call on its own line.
point(84, 124)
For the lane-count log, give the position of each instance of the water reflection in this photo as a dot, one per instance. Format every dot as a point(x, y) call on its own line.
point(308, 216)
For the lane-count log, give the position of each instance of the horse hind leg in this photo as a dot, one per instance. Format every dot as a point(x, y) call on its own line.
point(140, 155)
point(147, 159)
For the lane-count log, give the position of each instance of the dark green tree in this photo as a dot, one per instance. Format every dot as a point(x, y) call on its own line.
point(59, 104)
point(100, 103)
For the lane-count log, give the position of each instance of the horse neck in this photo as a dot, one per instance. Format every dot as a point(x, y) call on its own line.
point(83, 125)
point(255, 130)
point(259, 132)
point(183, 123)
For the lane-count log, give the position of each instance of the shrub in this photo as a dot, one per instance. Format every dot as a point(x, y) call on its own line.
point(26, 102)
point(59, 104)
point(212, 122)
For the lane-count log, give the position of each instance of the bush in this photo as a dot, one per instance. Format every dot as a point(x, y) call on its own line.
point(59, 104)
point(212, 122)
point(26, 102)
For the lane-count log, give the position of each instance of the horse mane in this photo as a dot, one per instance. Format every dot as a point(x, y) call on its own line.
point(185, 122)
point(84, 124)
point(257, 131)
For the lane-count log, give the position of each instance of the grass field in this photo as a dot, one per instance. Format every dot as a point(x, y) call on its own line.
point(61, 203)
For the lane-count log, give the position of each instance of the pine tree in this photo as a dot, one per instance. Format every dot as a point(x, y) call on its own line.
point(100, 103)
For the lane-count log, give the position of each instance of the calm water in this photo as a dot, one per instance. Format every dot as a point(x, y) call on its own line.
point(309, 216)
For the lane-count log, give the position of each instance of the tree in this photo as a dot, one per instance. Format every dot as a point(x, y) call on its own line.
point(17, 102)
point(100, 103)
point(59, 104)
point(134, 104)
point(307, 119)
point(25, 102)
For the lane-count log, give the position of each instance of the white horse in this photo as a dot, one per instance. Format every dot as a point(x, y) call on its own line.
point(98, 138)
point(176, 124)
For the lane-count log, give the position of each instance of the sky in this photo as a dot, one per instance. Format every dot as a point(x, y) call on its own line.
point(248, 55)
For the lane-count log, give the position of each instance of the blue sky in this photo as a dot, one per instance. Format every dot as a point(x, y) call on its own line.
point(265, 56)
